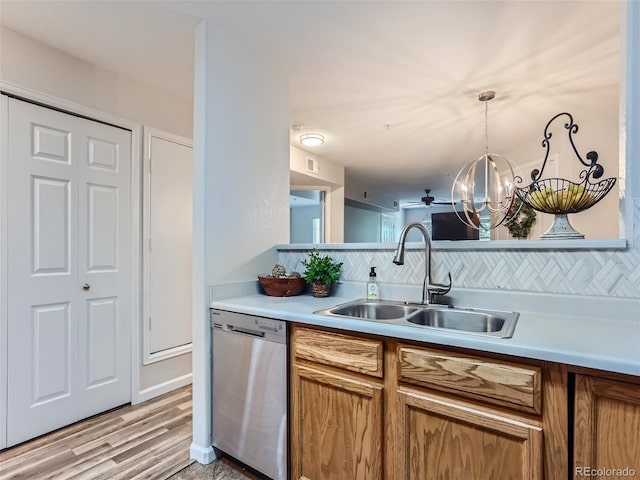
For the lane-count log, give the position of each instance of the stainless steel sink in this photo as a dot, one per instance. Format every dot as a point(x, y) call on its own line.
point(373, 310)
point(468, 320)
point(493, 323)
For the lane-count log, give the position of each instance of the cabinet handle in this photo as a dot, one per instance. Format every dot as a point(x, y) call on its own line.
point(86, 286)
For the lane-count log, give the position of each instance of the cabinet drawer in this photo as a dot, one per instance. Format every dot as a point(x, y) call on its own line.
point(492, 381)
point(350, 353)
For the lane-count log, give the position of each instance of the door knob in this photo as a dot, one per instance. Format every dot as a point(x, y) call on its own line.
point(86, 286)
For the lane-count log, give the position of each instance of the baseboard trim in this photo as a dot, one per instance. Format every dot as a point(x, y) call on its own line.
point(204, 455)
point(161, 389)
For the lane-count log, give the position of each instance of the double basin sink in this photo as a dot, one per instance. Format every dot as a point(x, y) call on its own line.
point(492, 323)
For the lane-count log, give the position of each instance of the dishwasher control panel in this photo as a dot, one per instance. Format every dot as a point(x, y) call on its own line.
point(269, 325)
point(267, 328)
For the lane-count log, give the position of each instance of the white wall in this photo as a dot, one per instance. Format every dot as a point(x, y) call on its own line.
point(630, 122)
point(334, 229)
point(328, 172)
point(36, 66)
point(360, 192)
point(361, 226)
point(29, 63)
point(247, 162)
point(241, 188)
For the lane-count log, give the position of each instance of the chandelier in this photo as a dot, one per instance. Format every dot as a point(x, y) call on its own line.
point(486, 185)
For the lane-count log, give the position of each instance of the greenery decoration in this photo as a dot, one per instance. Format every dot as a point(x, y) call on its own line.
point(520, 225)
point(321, 269)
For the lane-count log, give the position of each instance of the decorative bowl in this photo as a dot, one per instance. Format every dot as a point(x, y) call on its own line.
point(561, 197)
point(557, 195)
point(282, 286)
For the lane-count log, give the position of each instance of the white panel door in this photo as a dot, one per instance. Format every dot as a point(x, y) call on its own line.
point(169, 212)
point(67, 226)
point(43, 271)
point(104, 267)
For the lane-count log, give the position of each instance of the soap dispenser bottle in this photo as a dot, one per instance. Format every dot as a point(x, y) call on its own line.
point(373, 290)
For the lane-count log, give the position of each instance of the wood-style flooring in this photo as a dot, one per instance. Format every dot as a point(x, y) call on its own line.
point(147, 441)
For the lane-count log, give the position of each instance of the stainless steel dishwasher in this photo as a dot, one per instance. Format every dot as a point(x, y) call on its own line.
point(250, 390)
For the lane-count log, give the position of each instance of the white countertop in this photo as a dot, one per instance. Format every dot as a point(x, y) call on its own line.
point(604, 333)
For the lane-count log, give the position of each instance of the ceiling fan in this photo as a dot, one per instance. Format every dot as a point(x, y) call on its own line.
point(428, 200)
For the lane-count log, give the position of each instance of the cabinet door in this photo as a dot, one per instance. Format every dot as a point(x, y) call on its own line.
point(445, 439)
point(336, 426)
point(607, 422)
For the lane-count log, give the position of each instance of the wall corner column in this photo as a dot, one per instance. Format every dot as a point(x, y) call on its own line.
point(201, 448)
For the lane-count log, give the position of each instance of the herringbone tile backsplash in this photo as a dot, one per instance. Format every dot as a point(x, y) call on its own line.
point(580, 272)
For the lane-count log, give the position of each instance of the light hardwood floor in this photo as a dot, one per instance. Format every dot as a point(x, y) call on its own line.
point(147, 441)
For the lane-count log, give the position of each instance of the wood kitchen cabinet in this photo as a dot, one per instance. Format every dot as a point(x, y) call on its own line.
point(449, 426)
point(336, 406)
point(607, 426)
point(443, 438)
point(367, 407)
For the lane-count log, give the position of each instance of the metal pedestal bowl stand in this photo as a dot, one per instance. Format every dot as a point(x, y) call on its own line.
point(561, 197)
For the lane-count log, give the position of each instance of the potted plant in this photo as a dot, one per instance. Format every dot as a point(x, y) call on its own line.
point(321, 272)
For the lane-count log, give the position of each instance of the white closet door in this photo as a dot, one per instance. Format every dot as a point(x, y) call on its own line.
point(104, 267)
point(43, 271)
point(65, 223)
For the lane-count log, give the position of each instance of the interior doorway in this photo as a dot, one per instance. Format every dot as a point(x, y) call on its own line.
point(307, 216)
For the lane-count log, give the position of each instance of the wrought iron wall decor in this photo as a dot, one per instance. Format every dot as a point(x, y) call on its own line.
point(559, 196)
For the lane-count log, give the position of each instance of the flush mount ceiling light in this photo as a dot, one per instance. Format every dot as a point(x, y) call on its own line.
point(495, 176)
point(311, 139)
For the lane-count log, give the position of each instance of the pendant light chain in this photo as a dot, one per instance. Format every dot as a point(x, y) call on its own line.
point(486, 127)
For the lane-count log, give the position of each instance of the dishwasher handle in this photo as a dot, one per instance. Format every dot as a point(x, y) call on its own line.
point(233, 329)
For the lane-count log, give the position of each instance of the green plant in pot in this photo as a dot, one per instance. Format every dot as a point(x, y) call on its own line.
point(321, 272)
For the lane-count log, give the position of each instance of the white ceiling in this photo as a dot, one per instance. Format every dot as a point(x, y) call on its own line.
point(393, 85)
